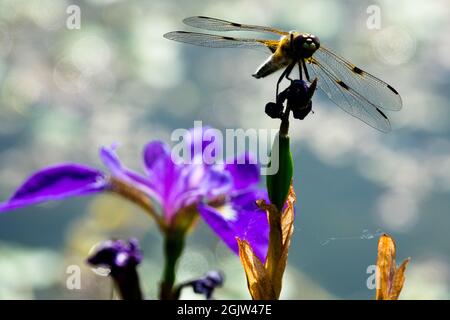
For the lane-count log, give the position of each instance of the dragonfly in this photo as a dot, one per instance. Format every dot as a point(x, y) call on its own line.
point(354, 90)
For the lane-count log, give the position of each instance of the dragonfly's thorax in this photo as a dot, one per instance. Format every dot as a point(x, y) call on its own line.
point(303, 45)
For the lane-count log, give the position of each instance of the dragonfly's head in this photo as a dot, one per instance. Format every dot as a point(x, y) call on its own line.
point(305, 44)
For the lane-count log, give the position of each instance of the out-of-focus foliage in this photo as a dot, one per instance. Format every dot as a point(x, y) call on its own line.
point(65, 92)
point(28, 273)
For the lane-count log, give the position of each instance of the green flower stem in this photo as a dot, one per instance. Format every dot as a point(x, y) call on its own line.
point(174, 240)
point(284, 126)
point(173, 248)
point(129, 286)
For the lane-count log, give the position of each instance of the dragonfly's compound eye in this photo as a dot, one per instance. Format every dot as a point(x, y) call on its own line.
point(309, 44)
point(306, 44)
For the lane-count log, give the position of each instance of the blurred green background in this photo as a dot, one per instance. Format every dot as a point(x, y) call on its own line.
point(64, 93)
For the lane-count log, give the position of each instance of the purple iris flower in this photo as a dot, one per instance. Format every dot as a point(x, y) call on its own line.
point(224, 194)
point(206, 284)
point(117, 255)
point(122, 258)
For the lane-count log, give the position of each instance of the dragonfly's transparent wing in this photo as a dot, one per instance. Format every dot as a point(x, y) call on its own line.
point(214, 24)
point(215, 41)
point(373, 89)
point(348, 99)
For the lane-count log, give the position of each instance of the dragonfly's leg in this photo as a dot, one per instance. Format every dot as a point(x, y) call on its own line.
point(300, 72)
point(289, 70)
point(278, 84)
point(285, 73)
point(306, 70)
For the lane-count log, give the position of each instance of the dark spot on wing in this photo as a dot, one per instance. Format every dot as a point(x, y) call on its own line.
point(236, 24)
point(392, 89)
point(342, 84)
point(381, 112)
point(357, 70)
point(228, 38)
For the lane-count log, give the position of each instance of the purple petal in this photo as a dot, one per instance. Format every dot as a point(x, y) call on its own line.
point(240, 219)
point(244, 170)
point(161, 170)
point(110, 159)
point(181, 184)
point(112, 162)
point(156, 156)
point(207, 284)
point(117, 254)
point(199, 138)
point(55, 183)
point(217, 182)
point(201, 182)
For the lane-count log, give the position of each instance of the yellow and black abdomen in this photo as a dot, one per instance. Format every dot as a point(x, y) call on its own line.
point(281, 58)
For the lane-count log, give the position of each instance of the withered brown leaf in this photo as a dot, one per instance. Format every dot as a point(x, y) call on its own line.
point(265, 280)
point(389, 277)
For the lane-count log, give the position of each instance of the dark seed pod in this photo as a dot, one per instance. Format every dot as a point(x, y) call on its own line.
point(274, 110)
point(301, 113)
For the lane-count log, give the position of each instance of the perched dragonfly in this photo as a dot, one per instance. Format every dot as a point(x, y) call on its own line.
point(351, 88)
